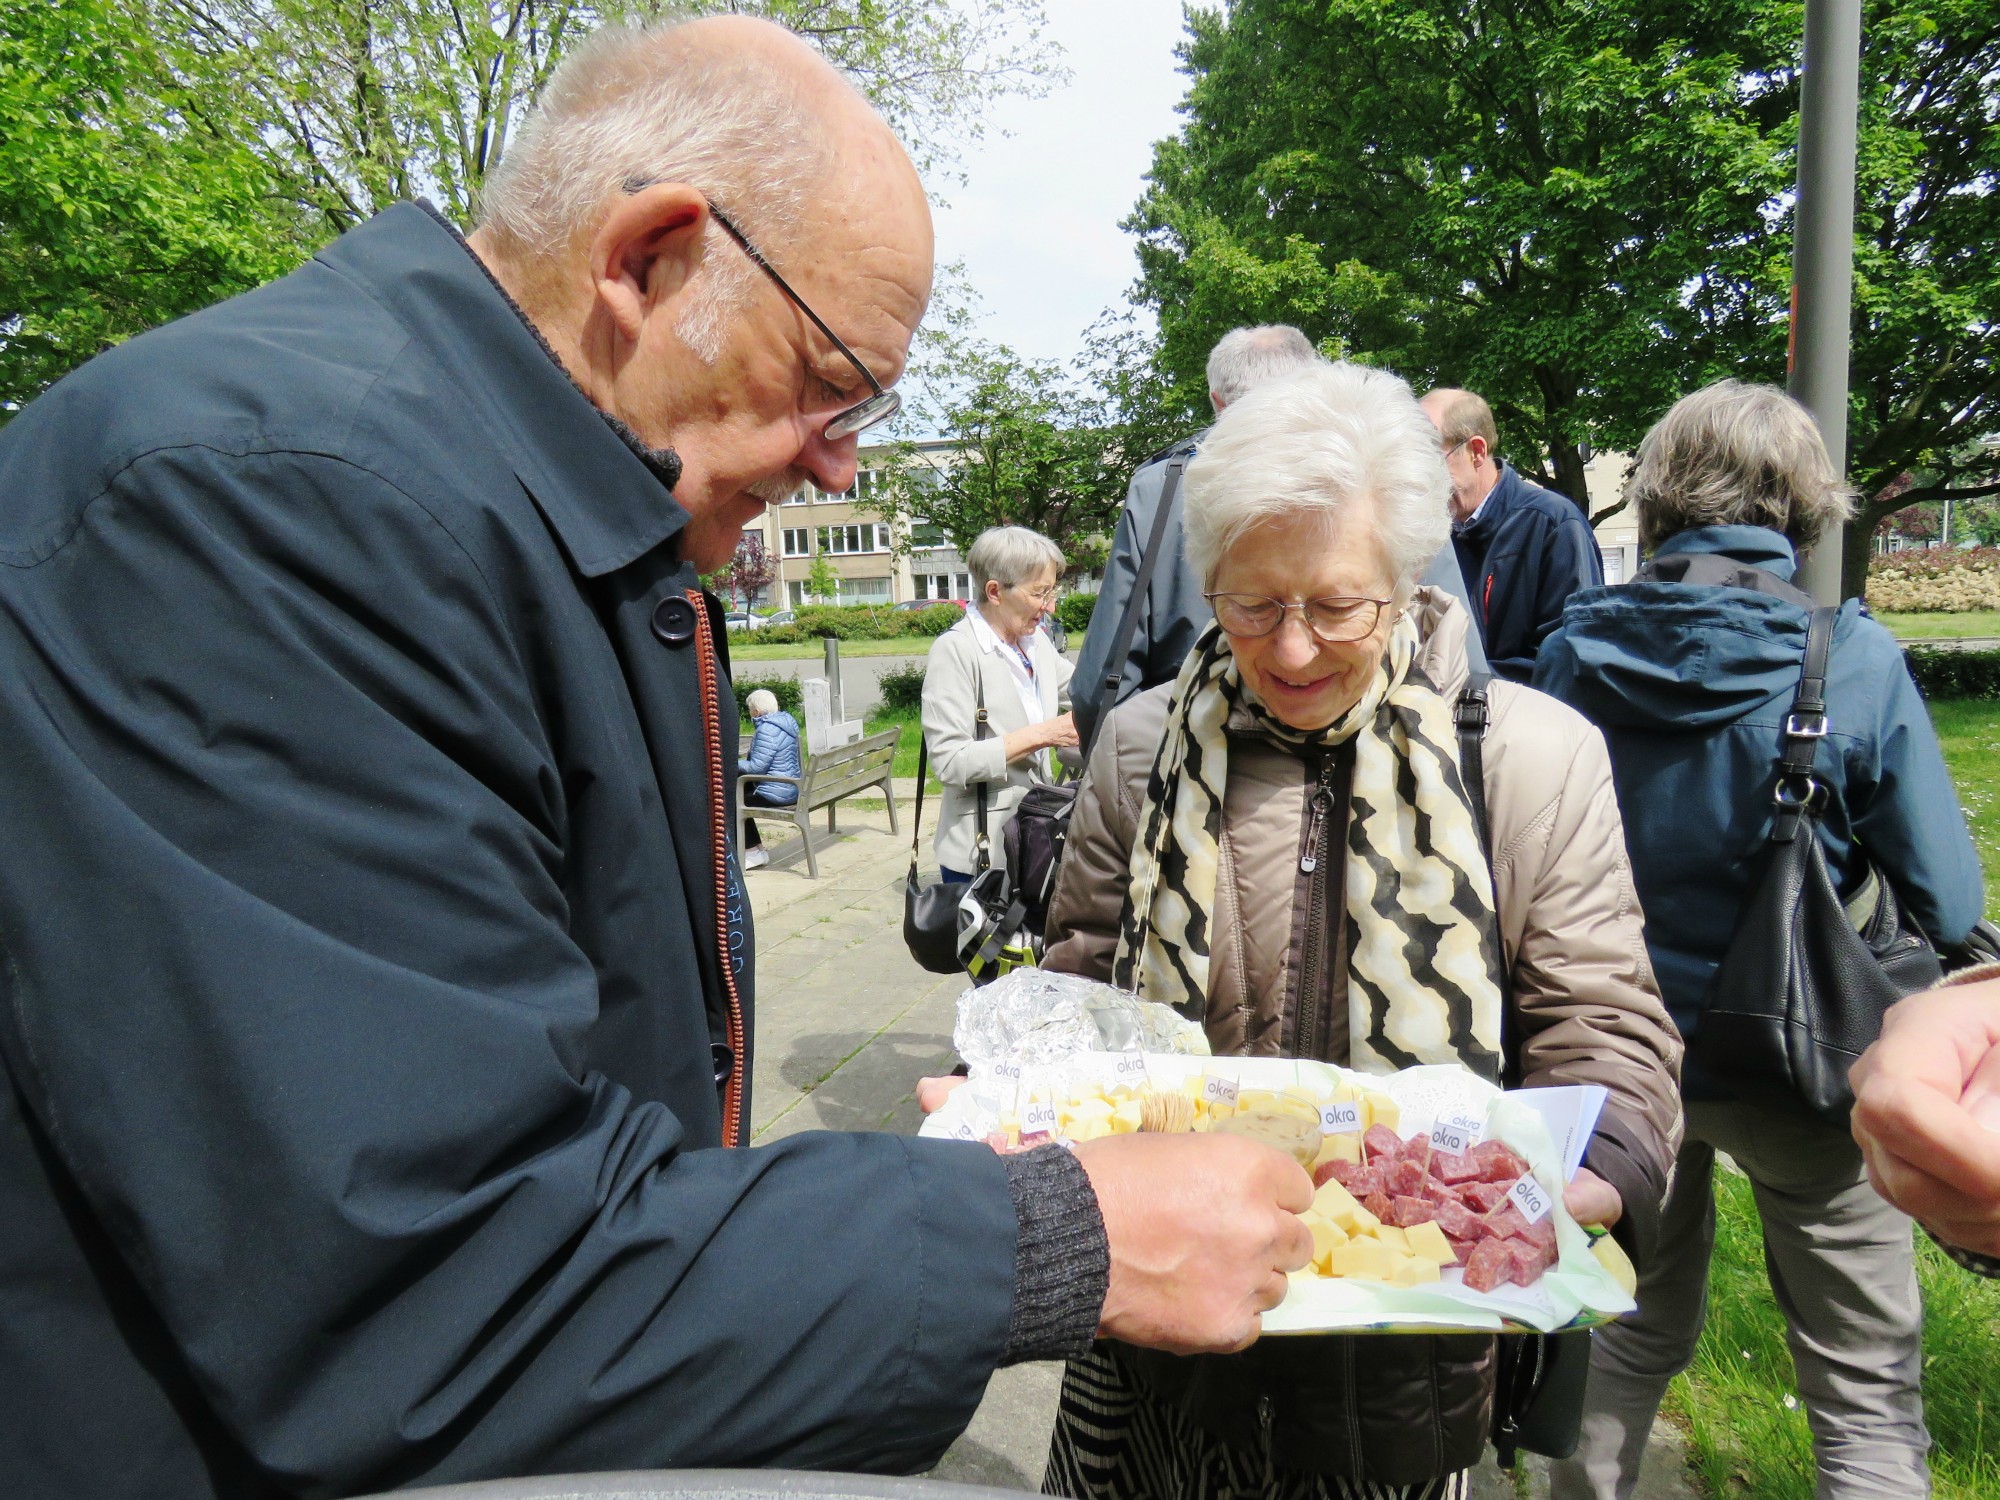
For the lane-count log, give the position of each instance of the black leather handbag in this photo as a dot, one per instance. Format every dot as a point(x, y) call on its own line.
point(930, 912)
point(1807, 977)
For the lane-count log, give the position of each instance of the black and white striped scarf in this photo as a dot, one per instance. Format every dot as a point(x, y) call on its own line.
point(1423, 978)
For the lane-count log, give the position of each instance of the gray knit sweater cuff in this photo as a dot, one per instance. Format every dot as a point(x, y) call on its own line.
point(1062, 1262)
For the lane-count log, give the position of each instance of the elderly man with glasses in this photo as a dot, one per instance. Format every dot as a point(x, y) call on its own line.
point(377, 974)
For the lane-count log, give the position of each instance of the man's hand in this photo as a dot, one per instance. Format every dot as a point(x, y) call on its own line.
point(1202, 1230)
point(932, 1093)
point(1927, 1112)
point(1592, 1200)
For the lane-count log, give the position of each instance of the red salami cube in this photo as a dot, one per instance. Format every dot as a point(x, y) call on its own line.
point(1367, 1180)
point(1410, 1211)
point(1381, 1143)
point(1526, 1262)
point(1459, 1222)
point(1405, 1179)
point(1416, 1149)
point(1497, 1162)
point(1508, 1219)
point(1437, 1192)
point(1542, 1234)
point(1450, 1168)
point(1379, 1205)
point(1482, 1197)
point(1342, 1172)
point(1489, 1265)
point(1460, 1249)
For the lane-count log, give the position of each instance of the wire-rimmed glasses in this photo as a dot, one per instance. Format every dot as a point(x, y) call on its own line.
point(1333, 620)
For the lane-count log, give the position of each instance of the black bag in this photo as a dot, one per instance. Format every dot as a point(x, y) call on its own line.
point(1807, 978)
point(930, 912)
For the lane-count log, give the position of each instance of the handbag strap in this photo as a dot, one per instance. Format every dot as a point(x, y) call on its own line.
point(923, 766)
point(1799, 793)
point(1121, 643)
point(980, 842)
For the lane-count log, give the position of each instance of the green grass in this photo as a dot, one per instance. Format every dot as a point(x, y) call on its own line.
point(1739, 1400)
point(741, 648)
point(1743, 1438)
point(1931, 627)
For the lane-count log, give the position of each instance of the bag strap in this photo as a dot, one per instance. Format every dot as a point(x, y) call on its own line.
point(1472, 714)
point(1799, 794)
point(981, 844)
point(1121, 643)
point(923, 766)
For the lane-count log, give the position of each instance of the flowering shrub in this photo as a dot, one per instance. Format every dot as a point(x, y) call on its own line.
point(1940, 580)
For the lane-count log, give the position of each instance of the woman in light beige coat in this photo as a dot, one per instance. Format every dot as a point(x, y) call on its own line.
point(997, 655)
point(1281, 842)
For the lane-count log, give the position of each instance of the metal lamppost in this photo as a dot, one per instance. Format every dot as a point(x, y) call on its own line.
point(1823, 248)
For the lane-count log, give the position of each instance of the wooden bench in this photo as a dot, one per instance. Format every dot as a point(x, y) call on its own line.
point(830, 775)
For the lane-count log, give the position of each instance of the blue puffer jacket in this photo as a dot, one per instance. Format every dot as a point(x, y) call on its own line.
point(774, 751)
point(1690, 685)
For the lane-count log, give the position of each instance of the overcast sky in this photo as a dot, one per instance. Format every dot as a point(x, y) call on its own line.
point(1036, 222)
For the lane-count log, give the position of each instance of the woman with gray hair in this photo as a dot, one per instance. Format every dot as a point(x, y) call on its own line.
point(1692, 670)
point(1282, 841)
point(996, 661)
point(774, 751)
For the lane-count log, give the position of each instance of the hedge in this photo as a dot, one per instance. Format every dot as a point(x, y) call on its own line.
point(1073, 612)
point(857, 622)
point(1944, 673)
point(903, 687)
point(1936, 580)
point(790, 696)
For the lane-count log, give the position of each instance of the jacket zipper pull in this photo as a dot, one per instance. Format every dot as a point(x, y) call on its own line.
point(1322, 804)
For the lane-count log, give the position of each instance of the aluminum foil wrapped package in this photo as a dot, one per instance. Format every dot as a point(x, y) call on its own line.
point(1034, 1018)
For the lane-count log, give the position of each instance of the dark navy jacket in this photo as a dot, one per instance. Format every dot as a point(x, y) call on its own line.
point(362, 935)
point(1523, 553)
point(1691, 685)
point(774, 751)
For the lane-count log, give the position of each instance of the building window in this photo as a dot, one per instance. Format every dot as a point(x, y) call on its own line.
point(862, 536)
point(866, 482)
point(926, 534)
point(939, 586)
point(798, 541)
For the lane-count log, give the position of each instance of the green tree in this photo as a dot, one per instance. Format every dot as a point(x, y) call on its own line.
point(1032, 445)
point(1581, 208)
point(822, 582)
point(127, 193)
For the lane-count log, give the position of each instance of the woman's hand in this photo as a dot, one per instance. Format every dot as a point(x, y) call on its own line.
point(1592, 1200)
point(932, 1093)
point(1056, 733)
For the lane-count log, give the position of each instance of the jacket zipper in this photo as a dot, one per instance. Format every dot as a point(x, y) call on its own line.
point(711, 732)
point(1311, 858)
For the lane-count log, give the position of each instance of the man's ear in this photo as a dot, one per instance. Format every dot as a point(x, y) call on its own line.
point(646, 250)
point(1476, 449)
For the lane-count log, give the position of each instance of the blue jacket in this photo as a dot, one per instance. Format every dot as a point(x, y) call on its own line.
point(1690, 685)
point(1523, 553)
point(774, 751)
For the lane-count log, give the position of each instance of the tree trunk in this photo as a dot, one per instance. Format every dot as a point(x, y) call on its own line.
point(1567, 461)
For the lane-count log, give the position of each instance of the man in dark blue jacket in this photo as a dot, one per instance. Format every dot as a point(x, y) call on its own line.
point(1523, 550)
point(375, 985)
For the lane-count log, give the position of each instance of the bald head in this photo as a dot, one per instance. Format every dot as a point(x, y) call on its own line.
point(1460, 415)
point(1465, 431)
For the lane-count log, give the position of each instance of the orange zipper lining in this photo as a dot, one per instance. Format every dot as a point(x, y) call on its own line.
point(711, 731)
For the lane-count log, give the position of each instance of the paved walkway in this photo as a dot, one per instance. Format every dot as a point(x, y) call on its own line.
point(846, 1024)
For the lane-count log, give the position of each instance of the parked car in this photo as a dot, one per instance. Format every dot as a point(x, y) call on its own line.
point(783, 617)
point(740, 619)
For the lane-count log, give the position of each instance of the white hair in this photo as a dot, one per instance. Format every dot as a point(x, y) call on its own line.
point(1008, 555)
point(1737, 454)
point(1244, 358)
point(760, 702)
point(1310, 445)
point(634, 105)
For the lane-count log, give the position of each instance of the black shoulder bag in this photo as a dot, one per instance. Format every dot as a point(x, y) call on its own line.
point(930, 912)
point(1034, 837)
point(1807, 977)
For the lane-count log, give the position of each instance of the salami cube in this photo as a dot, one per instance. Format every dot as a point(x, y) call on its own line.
point(1498, 1162)
point(1542, 1234)
point(1405, 1179)
point(1382, 1143)
point(1342, 1172)
point(1437, 1192)
point(1489, 1265)
point(1451, 1168)
point(1379, 1205)
point(1482, 1197)
point(1461, 1249)
point(1408, 1211)
point(1508, 1219)
point(1367, 1180)
point(1416, 1149)
point(1526, 1262)
point(1459, 1222)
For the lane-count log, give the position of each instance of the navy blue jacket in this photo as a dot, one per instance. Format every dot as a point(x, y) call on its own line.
point(1523, 553)
point(1690, 685)
point(364, 938)
point(774, 751)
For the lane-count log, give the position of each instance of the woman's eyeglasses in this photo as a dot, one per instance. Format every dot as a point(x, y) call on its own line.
point(1331, 620)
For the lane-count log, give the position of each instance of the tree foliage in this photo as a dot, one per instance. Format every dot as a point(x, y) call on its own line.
point(1582, 208)
point(1031, 445)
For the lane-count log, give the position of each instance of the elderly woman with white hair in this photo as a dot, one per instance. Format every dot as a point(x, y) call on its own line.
point(996, 662)
point(1692, 671)
point(1281, 842)
point(774, 751)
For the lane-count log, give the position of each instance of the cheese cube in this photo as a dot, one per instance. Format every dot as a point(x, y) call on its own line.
point(1363, 1257)
point(1413, 1270)
point(1393, 1237)
point(1326, 1234)
point(1382, 1110)
point(1428, 1240)
point(1344, 1147)
point(1125, 1118)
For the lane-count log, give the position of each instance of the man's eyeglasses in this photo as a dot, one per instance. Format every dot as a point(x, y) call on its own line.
point(849, 421)
point(1331, 620)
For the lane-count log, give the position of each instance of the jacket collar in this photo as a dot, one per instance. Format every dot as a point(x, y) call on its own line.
point(1482, 521)
point(604, 501)
point(1753, 546)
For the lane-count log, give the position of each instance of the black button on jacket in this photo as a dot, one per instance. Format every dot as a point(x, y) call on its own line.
point(363, 916)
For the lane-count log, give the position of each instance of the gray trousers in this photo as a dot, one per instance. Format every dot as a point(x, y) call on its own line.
point(1843, 1265)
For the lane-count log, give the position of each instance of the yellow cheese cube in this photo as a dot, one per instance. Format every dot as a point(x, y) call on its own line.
point(1382, 1110)
point(1344, 1147)
point(1326, 1234)
point(1363, 1257)
point(1412, 1270)
point(1393, 1236)
point(1428, 1241)
point(1332, 1201)
point(1125, 1118)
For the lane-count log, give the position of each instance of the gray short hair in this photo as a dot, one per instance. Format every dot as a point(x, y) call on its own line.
point(634, 104)
point(1309, 445)
point(1244, 358)
point(1008, 555)
point(760, 702)
point(1736, 454)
